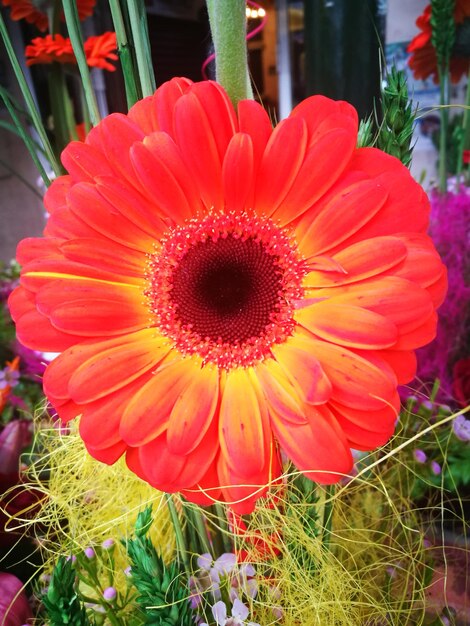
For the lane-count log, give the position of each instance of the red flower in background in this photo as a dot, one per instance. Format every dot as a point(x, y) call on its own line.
point(34, 11)
point(14, 496)
point(220, 289)
point(99, 51)
point(14, 605)
point(423, 59)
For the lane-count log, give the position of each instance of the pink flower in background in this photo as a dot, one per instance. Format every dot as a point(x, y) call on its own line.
point(14, 605)
point(449, 229)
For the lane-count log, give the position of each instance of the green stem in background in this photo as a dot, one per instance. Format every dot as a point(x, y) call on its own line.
point(328, 515)
point(443, 39)
point(221, 513)
point(125, 54)
point(29, 143)
point(201, 530)
point(180, 546)
point(444, 127)
point(75, 33)
point(466, 129)
point(31, 106)
point(139, 28)
point(228, 27)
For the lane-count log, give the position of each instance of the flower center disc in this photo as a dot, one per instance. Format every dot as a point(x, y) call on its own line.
point(223, 288)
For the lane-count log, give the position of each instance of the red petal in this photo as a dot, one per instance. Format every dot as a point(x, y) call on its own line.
point(280, 164)
point(238, 173)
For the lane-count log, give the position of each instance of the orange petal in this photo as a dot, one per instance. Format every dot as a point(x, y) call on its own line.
point(112, 368)
point(356, 381)
point(345, 214)
point(349, 326)
point(254, 121)
point(300, 365)
point(280, 394)
point(148, 413)
point(108, 255)
point(360, 261)
point(84, 163)
point(241, 491)
point(242, 424)
point(99, 423)
point(193, 411)
point(319, 448)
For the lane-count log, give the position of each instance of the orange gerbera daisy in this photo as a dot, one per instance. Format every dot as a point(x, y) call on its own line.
point(35, 11)
point(221, 290)
point(99, 51)
point(423, 59)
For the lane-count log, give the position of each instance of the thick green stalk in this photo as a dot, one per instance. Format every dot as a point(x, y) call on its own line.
point(444, 102)
point(75, 33)
point(29, 143)
point(30, 104)
point(228, 27)
point(180, 545)
point(125, 53)
point(138, 21)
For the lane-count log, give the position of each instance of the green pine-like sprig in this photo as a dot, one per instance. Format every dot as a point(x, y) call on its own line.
point(162, 595)
point(443, 30)
point(61, 601)
point(396, 132)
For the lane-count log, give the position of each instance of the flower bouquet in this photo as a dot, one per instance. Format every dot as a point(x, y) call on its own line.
point(234, 304)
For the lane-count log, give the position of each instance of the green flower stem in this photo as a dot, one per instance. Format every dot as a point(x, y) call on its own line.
point(201, 530)
point(221, 513)
point(139, 28)
point(125, 54)
point(444, 102)
point(75, 33)
point(180, 545)
point(31, 106)
point(328, 515)
point(228, 26)
point(29, 143)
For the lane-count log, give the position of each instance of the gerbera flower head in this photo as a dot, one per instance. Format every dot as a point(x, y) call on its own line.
point(99, 50)
point(221, 290)
point(423, 59)
point(35, 11)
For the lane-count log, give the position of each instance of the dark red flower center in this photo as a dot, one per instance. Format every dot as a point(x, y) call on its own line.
point(224, 287)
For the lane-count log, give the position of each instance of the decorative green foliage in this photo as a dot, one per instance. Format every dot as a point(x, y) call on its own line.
point(162, 593)
point(396, 131)
point(443, 30)
point(62, 602)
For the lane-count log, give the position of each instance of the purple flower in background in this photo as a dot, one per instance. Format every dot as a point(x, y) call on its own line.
point(32, 362)
point(435, 468)
point(461, 428)
point(9, 377)
point(420, 456)
point(238, 617)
